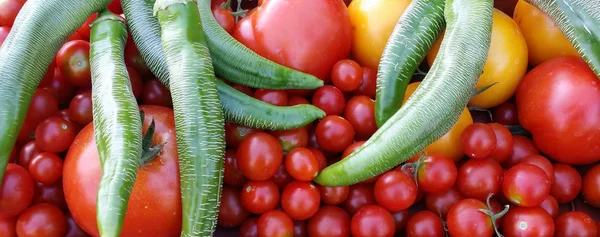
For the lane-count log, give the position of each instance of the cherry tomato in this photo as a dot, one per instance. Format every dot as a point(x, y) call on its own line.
point(275, 223)
point(360, 195)
point(425, 224)
point(134, 59)
point(232, 174)
point(542, 163)
point(52, 194)
point(543, 99)
point(505, 114)
point(528, 221)
point(8, 226)
point(275, 97)
point(260, 196)
point(291, 139)
point(550, 205)
point(224, 18)
point(115, 7)
point(43, 105)
point(300, 229)
point(436, 174)
point(478, 178)
point(575, 224)
point(441, 202)
point(329, 99)
point(329, 221)
point(28, 152)
point(46, 168)
point(567, 183)
point(137, 85)
point(360, 112)
point(300, 200)
point(465, 218)
point(372, 220)
point(526, 185)
point(334, 195)
point(259, 156)
point(395, 191)
point(302, 164)
point(368, 85)
point(591, 186)
point(334, 133)
point(10, 10)
point(59, 87)
point(544, 39)
point(401, 219)
point(522, 148)
point(297, 100)
point(231, 210)
point(84, 29)
point(54, 134)
point(244, 89)
point(26, 134)
point(73, 60)
point(64, 114)
point(80, 108)
point(73, 230)
point(504, 142)
point(320, 157)
point(284, 32)
point(16, 192)
point(282, 177)
point(478, 140)
point(4, 30)
point(42, 220)
point(13, 156)
point(346, 75)
point(155, 93)
point(249, 228)
point(234, 134)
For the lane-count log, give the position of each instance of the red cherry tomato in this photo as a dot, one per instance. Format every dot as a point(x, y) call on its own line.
point(234, 134)
point(27, 153)
point(73, 60)
point(401, 219)
point(282, 178)
point(441, 202)
point(329, 221)
point(395, 191)
point(360, 195)
point(43, 105)
point(60, 88)
point(368, 85)
point(134, 59)
point(231, 210)
point(591, 186)
point(522, 147)
point(80, 108)
point(526, 185)
point(155, 93)
point(52, 194)
point(528, 221)
point(346, 75)
point(16, 192)
point(84, 29)
point(334, 195)
point(302, 164)
point(46, 168)
point(465, 218)
point(425, 224)
point(506, 114)
point(250, 227)
point(73, 230)
point(297, 100)
point(436, 174)
point(478, 178)
point(8, 226)
point(274, 97)
point(10, 10)
point(291, 139)
point(329, 99)
point(275, 223)
point(334, 133)
point(541, 162)
point(478, 140)
point(137, 85)
point(13, 156)
point(115, 7)
point(54, 135)
point(232, 174)
point(575, 223)
point(550, 205)
point(567, 183)
point(42, 220)
point(300, 228)
point(260, 196)
point(259, 156)
point(224, 18)
point(360, 112)
point(372, 220)
point(300, 200)
point(504, 143)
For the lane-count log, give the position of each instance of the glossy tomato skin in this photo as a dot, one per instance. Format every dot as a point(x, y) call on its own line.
point(291, 139)
point(42, 220)
point(436, 174)
point(360, 112)
point(372, 220)
point(541, 162)
point(329, 221)
point(567, 183)
point(368, 84)
point(395, 191)
point(4, 30)
point(8, 226)
point(360, 195)
point(234, 134)
point(302, 164)
point(231, 211)
point(274, 97)
point(73, 60)
point(16, 191)
point(477, 178)
point(260, 196)
point(526, 185)
point(46, 168)
point(284, 32)
point(522, 148)
point(528, 221)
point(80, 108)
point(478, 140)
point(27, 153)
point(334, 133)
point(346, 75)
point(231, 173)
point(249, 228)
point(54, 134)
point(559, 103)
point(275, 223)
point(10, 9)
point(73, 230)
point(155, 93)
point(51, 193)
point(441, 202)
point(43, 105)
point(550, 205)
point(425, 224)
point(259, 156)
point(575, 224)
point(465, 219)
point(334, 195)
point(504, 143)
point(329, 99)
point(155, 202)
point(300, 200)
point(591, 186)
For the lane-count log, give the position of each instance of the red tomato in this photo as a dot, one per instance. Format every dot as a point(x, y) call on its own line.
point(352, 148)
point(401, 219)
point(84, 29)
point(137, 85)
point(441, 202)
point(115, 7)
point(275, 223)
point(249, 228)
point(591, 186)
point(64, 114)
point(320, 157)
point(42, 106)
point(329, 221)
point(477, 178)
point(522, 148)
point(346, 75)
point(425, 224)
point(542, 163)
point(27, 153)
point(372, 220)
point(300, 229)
point(231, 211)
point(291, 139)
point(274, 97)
point(52, 194)
point(567, 183)
point(282, 177)
point(436, 174)
point(42, 220)
point(59, 87)
point(297, 100)
point(505, 114)
point(478, 140)
point(465, 218)
point(26, 134)
point(559, 103)
point(368, 85)
point(8, 226)
point(156, 193)
point(232, 174)
point(395, 191)
point(329, 99)
point(155, 93)
point(360, 112)
point(80, 108)
point(334, 195)
point(16, 192)
point(260, 196)
point(134, 59)
point(360, 195)
point(10, 10)
point(575, 224)
point(54, 134)
point(13, 156)
point(300, 200)
point(285, 33)
point(504, 143)
point(46, 168)
point(73, 230)
point(334, 133)
point(234, 134)
point(224, 18)
point(528, 221)
point(73, 60)
point(302, 164)
point(550, 205)
point(259, 156)
point(526, 185)
point(4, 30)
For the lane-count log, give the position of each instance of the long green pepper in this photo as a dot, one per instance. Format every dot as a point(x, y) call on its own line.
point(436, 104)
point(199, 121)
point(40, 29)
point(416, 31)
point(117, 124)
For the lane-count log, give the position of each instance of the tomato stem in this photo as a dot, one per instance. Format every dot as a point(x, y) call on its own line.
point(493, 216)
point(149, 152)
point(415, 166)
point(226, 5)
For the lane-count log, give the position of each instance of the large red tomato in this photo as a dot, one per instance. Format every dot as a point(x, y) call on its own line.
point(155, 203)
point(307, 35)
point(559, 103)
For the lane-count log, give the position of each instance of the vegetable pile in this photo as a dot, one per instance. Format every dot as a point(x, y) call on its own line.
point(298, 118)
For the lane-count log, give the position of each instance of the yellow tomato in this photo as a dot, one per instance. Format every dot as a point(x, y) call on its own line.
point(506, 62)
point(544, 40)
point(449, 144)
point(373, 22)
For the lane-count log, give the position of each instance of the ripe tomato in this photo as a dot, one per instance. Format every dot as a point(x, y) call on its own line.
point(372, 220)
point(300, 228)
point(137, 85)
point(231, 210)
point(224, 18)
point(575, 224)
point(80, 108)
point(449, 144)
point(522, 148)
point(559, 103)
point(504, 142)
point(526, 185)
point(401, 219)
point(284, 32)
point(84, 29)
point(441, 202)
point(360, 195)
point(550, 205)
point(360, 112)
point(334, 195)
point(43, 105)
point(231, 173)
point(250, 227)
point(52, 194)
point(46, 168)
point(59, 87)
point(300, 200)
point(16, 191)
point(425, 224)
point(528, 221)
point(334, 133)
point(274, 97)
point(477, 178)
point(465, 218)
point(275, 223)
point(329, 221)
point(282, 177)
point(134, 59)
point(73, 60)
point(8, 226)
point(591, 186)
point(234, 134)
point(368, 85)
point(10, 9)
point(42, 220)
point(436, 174)
point(329, 99)
point(260, 196)
point(395, 191)
point(506, 62)
point(155, 202)
point(478, 140)
point(373, 22)
point(291, 139)
point(544, 39)
point(73, 230)
point(27, 153)
point(542, 163)
point(115, 7)
point(155, 93)
point(346, 75)
point(54, 134)
point(302, 164)
point(505, 114)
point(567, 183)
point(259, 156)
